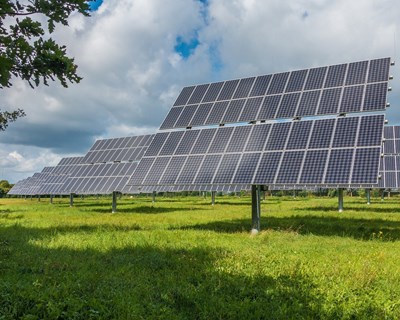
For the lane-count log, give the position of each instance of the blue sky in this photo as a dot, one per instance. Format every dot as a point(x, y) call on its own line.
point(136, 55)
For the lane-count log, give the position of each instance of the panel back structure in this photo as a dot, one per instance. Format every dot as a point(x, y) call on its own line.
point(335, 141)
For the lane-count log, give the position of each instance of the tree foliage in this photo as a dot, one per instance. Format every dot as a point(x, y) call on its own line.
point(26, 49)
point(5, 186)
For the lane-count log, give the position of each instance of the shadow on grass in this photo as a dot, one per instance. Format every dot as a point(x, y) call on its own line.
point(360, 229)
point(147, 282)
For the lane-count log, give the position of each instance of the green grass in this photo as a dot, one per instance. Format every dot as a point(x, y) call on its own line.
point(181, 258)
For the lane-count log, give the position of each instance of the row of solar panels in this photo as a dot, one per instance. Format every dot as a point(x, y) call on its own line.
point(326, 151)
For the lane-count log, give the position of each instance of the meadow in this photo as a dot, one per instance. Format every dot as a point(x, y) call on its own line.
point(182, 258)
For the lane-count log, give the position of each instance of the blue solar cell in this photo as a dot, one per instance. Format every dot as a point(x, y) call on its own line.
point(390, 180)
point(290, 167)
point(187, 142)
point(267, 168)
point(278, 83)
point(156, 171)
point(156, 144)
point(172, 115)
point(315, 79)
point(244, 88)
point(299, 135)
point(314, 166)
point(269, 107)
point(375, 97)
point(308, 103)
point(357, 72)
point(388, 132)
point(379, 70)
point(189, 170)
point(397, 146)
point(198, 94)
point(278, 136)
point(217, 112)
point(250, 109)
point(396, 132)
point(352, 99)
point(203, 141)
point(288, 105)
point(239, 139)
point(228, 89)
point(335, 76)
point(227, 168)
point(141, 171)
point(171, 143)
point(246, 168)
point(389, 163)
point(366, 165)
point(233, 111)
point(212, 92)
point(207, 169)
point(258, 137)
point(173, 169)
point(321, 135)
point(184, 96)
point(221, 140)
point(329, 103)
point(370, 133)
point(186, 116)
point(339, 166)
point(260, 85)
point(345, 132)
point(201, 114)
point(296, 81)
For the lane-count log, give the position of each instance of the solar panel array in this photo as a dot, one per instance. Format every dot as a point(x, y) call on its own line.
point(327, 151)
point(352, 87)
point(389, 168)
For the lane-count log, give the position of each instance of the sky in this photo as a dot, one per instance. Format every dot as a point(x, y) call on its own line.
point(135, 56)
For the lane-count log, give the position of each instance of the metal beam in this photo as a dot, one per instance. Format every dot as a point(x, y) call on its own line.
point(212, 198)
point(368, 194)
point(255, 209)
point(114, 202)
point(71, 199)
point(340, 196)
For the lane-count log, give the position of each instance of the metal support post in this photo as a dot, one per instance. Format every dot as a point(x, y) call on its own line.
point(255, 209)
point(153, 199)
point(71, 199)
point(51, 199)
point(212, 198)
point(114, 202)
point(382, 194)
point(340, 194)
point(38, 198)
point(368, 194)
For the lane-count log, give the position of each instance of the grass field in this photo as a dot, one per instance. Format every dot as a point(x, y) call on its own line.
point(182, 258)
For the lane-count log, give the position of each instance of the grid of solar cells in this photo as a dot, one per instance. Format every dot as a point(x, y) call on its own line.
point(391, 136)
point(353, 87)
point(389, 172)
point(118, 149)
point(99, 178)
point(31, 185)
point(328, 152)
point(59, 174)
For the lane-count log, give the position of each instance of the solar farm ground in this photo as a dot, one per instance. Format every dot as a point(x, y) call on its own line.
point(181, 258)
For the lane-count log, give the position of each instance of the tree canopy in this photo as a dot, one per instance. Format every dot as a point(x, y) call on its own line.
point(26, 49)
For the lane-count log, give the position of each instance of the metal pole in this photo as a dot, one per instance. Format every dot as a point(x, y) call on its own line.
point(255, 209)
point(382, 194)
point(38, 198)
point(340, 192)
point(71, 200)
point(368, 193)
point(153, 199)
point(114, 202)
point(51, 199)
point(212, 198)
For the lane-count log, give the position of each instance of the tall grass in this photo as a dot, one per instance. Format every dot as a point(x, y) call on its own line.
point(181, 258)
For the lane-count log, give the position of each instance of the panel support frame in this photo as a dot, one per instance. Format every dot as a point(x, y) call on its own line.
point(255, 209)
point(340, 199)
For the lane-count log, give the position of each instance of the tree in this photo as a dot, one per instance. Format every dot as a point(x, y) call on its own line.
point(27, 51)
point(5, 186)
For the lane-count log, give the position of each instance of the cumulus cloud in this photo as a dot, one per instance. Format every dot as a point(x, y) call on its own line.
point(133, 70)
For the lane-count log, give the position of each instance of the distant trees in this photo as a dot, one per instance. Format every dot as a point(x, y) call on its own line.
point(26, 51)
point(5, 186)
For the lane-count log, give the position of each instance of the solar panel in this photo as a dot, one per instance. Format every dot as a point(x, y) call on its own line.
point(344, 88)
point(325, 152)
